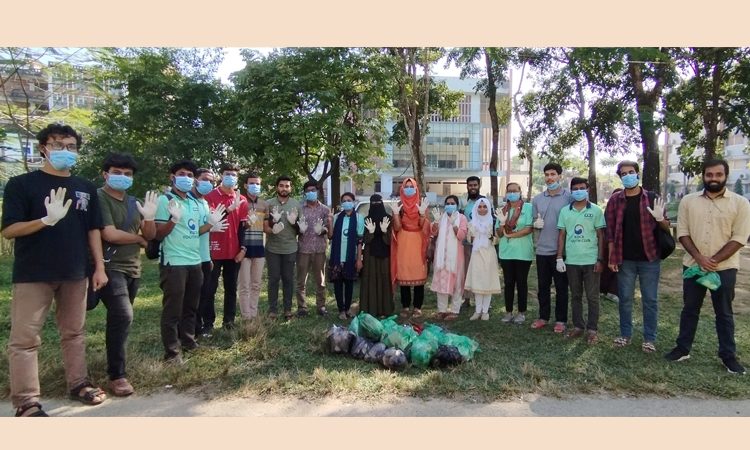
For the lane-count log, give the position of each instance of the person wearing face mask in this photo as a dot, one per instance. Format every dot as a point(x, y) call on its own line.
point(55, 220)
point(482, 277)
point(346, 253)
point(546, 209)
point(634, 252)
point(582, 239)
point(313, 241)
point(252, 250)
point(225, 247)
point(128, 226)
point(448, 276)
point(375, 294)
point(411, 231)
point(473, 183)
point(514, 228)
point(206, 315)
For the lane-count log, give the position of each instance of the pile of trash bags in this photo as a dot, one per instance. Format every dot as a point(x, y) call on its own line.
point(394, 346)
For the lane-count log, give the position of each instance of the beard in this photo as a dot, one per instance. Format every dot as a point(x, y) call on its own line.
point(283, 194)
point(715, 186)
point(473, 195)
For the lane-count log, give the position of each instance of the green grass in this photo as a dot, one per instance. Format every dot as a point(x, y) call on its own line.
point(286, 358)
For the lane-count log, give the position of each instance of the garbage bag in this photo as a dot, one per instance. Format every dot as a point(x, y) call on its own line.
point(393, 359)
point(431, 331)
point(693, 271)
point(422, 350)
point(375, 352)
point(446, 356)
point(445, 338)
point(400, 338)
point(466, 346)
point(370, 327)
point(711, 281)
point(339, 340)
point(389, 326)
point(354, 326)
point(360, 347)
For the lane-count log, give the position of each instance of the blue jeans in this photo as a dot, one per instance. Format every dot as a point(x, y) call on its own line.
point(648, 275)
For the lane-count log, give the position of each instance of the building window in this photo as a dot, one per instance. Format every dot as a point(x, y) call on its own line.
point(464, 112)
point(735, 139)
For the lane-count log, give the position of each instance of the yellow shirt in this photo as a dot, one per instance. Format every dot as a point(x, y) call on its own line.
point(711, 224)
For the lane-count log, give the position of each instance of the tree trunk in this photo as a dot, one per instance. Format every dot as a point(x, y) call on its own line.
point(593, 192)
point(335, 181)
point(491, 96)
point(418, 160)
point(646, 104)
point(530, 158)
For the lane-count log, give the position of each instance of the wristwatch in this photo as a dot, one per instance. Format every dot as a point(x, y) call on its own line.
point(244, 249)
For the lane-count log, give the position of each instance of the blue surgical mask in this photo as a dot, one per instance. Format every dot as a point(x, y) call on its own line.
point(119, 182)
point(253, 189)
point(450, 209)
point(204, 187)
point(311, 196)
point(347, 206)
point(183, 183)
point(553, 186)
point(514, 196)
point(580, 196)
point(229, 181)
point(410, 191)
point(630, 180)
point(62, 159)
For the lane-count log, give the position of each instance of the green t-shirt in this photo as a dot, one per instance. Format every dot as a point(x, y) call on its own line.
point(522, 248)
point(181, 247)
point(581, 241)
point(345, 230)
point(285, 242)
point(127, 258)
point(204, 212)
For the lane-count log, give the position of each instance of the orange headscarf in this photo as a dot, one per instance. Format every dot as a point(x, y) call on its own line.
point(409, 222)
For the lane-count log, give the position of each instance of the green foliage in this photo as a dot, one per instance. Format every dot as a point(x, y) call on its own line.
point(738, 187)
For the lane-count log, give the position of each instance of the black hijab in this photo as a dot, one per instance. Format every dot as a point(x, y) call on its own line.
point(378, 247)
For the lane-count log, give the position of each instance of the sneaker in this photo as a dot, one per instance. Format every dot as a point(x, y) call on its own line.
point(475, 316)
point(486, 316)
point(508, 318)
point(677, 354)
point(342, 316)
point(519, 319)
point(612, 297)
point(733, 366)
point(175, 360)
point(302, 313)
point(207, 332)
point(322, 312)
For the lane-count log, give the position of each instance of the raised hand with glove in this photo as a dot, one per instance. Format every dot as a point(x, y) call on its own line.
point(318, 228)
point(56, 206)
point(658, 211)
point(385, 224)
point(276, 214)
point(236, 203)
point(539, 222)
point(302, 224)
point(292, 216)
point(175, 210)
point(149, 206)
point(217, 214)
point(423, 205)
point(219, 227)
point(369, 225)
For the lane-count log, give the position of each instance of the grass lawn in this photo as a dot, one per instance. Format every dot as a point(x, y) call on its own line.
point(286, 358)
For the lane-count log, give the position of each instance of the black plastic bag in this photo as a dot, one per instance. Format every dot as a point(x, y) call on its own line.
point(446, 356)
point(393, 359)
point(339, 340)
point(360, 346)
point(375, 352)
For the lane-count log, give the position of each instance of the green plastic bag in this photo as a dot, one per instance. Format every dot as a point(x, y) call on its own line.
point(466, 346)
point(422, 351)
point(389, 326)
point(370, 327)
point(400, 337)
point(710, 280)
point(432, 331)
point(354, 326)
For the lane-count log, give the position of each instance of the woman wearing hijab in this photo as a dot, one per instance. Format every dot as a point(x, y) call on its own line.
point(448, 275)
point(375, 292)
point(346, 253)
point(411, 234)
point(482, 277)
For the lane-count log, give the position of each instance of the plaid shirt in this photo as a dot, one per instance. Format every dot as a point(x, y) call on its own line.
point(615, 214)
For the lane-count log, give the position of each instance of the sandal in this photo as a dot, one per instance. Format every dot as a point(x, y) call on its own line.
point(404, 313)
point(38, 413)
point(621, 342)
point(450, 316)
point(417, 313)
point(560, 328)
point(592, 338)
point(90, 396)
point(648, 347)
point(539, 323)
point(575, 332)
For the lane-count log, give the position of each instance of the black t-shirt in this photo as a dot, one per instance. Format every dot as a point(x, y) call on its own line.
point(60, 252)
point(632, 240)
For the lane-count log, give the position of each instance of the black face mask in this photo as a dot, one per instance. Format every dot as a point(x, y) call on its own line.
point(715, 187)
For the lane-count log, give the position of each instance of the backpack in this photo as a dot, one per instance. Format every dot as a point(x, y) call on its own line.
point(153, 249)
point(664, 240)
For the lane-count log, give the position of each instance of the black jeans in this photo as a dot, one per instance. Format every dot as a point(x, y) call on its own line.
point(418, 296)
point(181, 286)
point(343, 298)
point(118, 296)
point(280, 269)
point(231, 271)
point(546, 272)
point(583, 279)
point(693, 295)
point(206, 316)
point(516, 273)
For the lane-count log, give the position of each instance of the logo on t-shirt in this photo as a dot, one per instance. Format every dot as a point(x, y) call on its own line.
point(191, 224)
point(83, 201)
point(579, 229)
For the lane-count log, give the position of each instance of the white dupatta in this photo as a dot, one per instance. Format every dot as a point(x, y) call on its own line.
point(446, 250)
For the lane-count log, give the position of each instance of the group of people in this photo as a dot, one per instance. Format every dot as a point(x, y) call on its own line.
point(202, 233)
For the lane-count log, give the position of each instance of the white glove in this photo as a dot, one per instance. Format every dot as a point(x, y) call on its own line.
point(236, 203)
point(436, 214)
point(457, 220)
point(148, 209)
point(175, 210)
point(251, 217)
point(396, 208)
point(503, 218)
point(369, 225)
point(472, 231)
point(302, 224)
point(423, 205)
point(275, 214)
point(216, 215)
point(318, 227)
point(539, 222)
point(278, 227)
point(219, 227)
point(384, 224)
point(658, 211)
point(56, 210)
point(292, 216)
point(560, 265)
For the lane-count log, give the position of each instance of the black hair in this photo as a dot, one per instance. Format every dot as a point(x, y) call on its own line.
point(454, 199)
point(579, 180)
point(59, 130)
point(283, 178)
point(119, 160)
point(513, 182)
point(309, 184)
point(251, 175)
point(230, 167)
point(474, 178)
point(345, 194)
point(626, 163)
point(183, 164)
point(712, 163)
point(553, 166)
point(201, 171)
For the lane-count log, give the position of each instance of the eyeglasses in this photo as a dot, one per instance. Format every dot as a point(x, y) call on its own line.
point(58, 146)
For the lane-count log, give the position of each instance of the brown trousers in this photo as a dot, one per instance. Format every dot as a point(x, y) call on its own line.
point(318, 263)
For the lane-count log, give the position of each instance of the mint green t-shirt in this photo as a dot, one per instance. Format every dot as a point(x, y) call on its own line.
point(581, 241)
point(345, 229)
point(205, 244)
point(181, 247)
point(521, 248)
